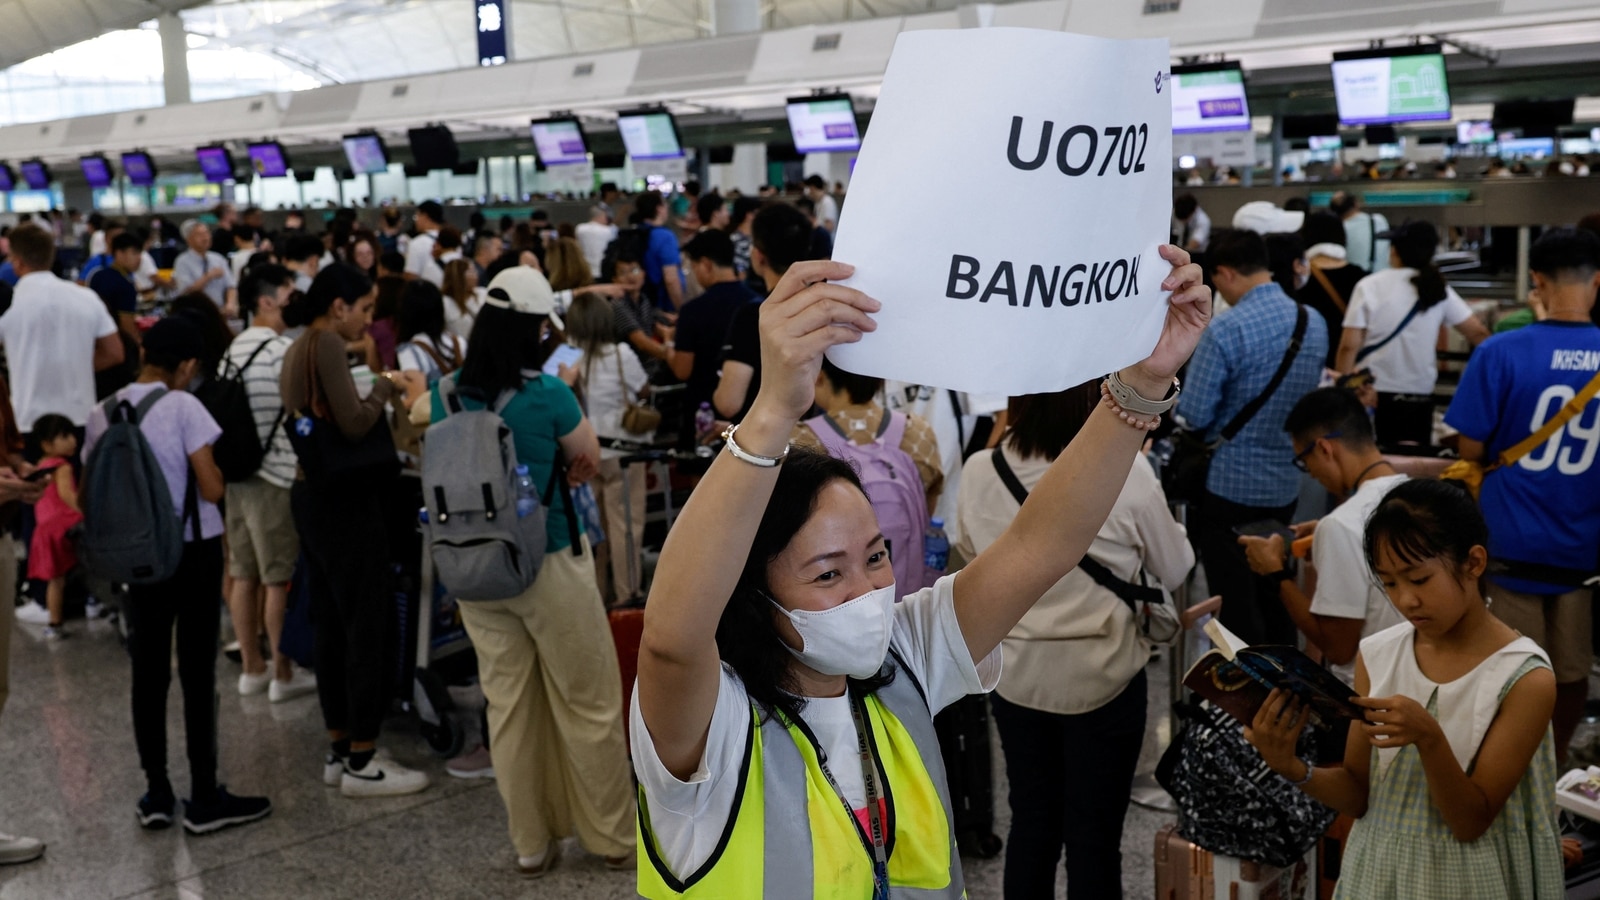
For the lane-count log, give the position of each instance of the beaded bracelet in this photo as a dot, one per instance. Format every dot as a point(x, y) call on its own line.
point(1132, 420)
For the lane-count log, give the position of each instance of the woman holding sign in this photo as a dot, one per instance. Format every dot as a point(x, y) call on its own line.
point(783, 725)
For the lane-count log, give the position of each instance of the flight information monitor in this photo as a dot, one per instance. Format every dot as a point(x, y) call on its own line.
point(268, 159)
point(140, 169)
point(1387, 85)
point(96, 171)
point(559, 142)
point(36, 174)
point(216, 163)
point(8, 178)
point(824, 124)
point(366, 153)
point(1475, 132)
point(650, 134)
point(1209, 97)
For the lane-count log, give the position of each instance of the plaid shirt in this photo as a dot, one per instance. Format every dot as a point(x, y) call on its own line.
point(1233, 364)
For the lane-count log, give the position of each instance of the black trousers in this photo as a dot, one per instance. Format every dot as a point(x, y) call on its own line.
point(346, 545)
point(1070, 780)
point(1250, 607)
point(191, 600)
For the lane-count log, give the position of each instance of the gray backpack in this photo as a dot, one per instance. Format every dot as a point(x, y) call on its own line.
point(482, 550)
point(131, 533)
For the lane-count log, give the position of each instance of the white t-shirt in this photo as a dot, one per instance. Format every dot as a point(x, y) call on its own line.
point(1409, 364)
point(828, 212)
point(1362, 243)
point(604, 390)
point(688, 817)
point(594, 238)
point(145, 278)
point(934, 406)
point(97, 243)
point(459, 323)
point(1346, 588)
point(412, 357)
point(49, 335)
point(419, 259)
point(1198, 227)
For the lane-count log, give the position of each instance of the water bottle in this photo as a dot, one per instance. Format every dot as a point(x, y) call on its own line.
point(704, 421)
point(422, 515)
point(527, 498)
point(936, 546)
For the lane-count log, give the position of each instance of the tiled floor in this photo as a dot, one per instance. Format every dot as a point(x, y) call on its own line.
point(72, 777)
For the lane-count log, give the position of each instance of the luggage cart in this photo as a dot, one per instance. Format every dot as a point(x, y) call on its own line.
point(430, 631)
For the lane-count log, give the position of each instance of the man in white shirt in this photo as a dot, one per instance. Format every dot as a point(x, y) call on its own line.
point(420, 262)
point(1361, 230)
point(1191, 227)
point(594, 236)
point(56, 335)
point(1334, 442)
point(827, 207)
point(202, 269)
point(302, 255)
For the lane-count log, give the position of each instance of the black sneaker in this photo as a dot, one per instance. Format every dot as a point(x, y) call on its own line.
point(223, 810)
point(155, 813)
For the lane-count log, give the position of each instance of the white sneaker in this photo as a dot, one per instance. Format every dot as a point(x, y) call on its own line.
point(33, 614)
point(94, 609)
point(382, 778)
point(14, 849)
point(55, 633)
point(299, 684)
point(332, 769)
point(250, 685)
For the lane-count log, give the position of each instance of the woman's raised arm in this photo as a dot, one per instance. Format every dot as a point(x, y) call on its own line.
point(708, 545)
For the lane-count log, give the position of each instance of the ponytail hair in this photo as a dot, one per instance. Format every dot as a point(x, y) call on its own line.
point(1414, 243)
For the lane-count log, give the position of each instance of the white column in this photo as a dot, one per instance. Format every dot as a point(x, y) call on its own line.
point(174, 57)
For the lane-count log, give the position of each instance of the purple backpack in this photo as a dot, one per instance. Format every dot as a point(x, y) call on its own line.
point(894, 486)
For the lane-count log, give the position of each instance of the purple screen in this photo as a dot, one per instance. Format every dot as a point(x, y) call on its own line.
point(214, 163)
point(35, 174)
point(365, 154)
point(268, 161)
point(96, 171)
point(138, 169)
point(7, 180)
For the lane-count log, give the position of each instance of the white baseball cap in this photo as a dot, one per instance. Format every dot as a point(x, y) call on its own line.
point(525, 290)
point(1265, 217)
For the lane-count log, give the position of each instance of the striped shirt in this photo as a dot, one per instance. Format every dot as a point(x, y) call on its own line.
point(261, 383)
point(1236, 359)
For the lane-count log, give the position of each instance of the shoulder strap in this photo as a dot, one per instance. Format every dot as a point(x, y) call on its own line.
point(1554, 424)
point(145, 404)
point(1008, 477)
point(893, 429)
point(433, 354)
point(1327, 285)
point(1368, 351)
point(447, 393)
point(1232, 429)
point(1372, 242)
point(828, 433)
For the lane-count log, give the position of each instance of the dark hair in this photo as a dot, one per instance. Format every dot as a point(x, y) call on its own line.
point(706, 207)
point(207, 318)
point(50, 426)
point(1242, 250)
point(1284, 249)
point(1322, 228)
point(646, 206)
point(301, 247)
point(816, 181)
point(744, 208)
point(421, 311)
point(392, 261)
point(449, 238)
point(1565, 253)
point(806, 205)
point(1184, 206)
point(340, 281)
point(1342, 203)
point(692, 187)
point(747, 635)
point(859, 388)
point(243, 232)
point(126, 241)
point(432, 210)
point(501, 345)
point(1414, 243)
point(390, 287)
point(258, 259)
point(1423, 519)
point(782, 234)
point(713, 245)
point(1590, 223)
point(33, 246)
point(1042, 425)
point(1297, 204)
point(1326, 410)
point(259, 280)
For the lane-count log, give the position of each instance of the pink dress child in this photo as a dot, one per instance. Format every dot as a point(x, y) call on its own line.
point(51, 554)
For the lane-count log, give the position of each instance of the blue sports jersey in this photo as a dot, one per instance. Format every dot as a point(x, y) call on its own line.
point(1545, 509)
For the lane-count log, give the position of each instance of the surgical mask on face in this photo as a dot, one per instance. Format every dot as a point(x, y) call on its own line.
point(850, 639)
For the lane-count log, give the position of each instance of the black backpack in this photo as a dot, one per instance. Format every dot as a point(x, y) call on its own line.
point(238, 452)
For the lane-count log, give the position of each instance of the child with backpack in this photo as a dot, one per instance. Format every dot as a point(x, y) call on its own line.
point(1451, 778)
point(50, 554)
point(897, 456)
point(150, 492)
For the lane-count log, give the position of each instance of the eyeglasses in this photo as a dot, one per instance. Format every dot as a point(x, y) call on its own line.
point(1301, 457)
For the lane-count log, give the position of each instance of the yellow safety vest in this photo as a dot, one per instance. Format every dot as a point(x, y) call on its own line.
point(789, 836)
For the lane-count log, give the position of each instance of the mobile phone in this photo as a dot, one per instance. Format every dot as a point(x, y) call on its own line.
point(39, 474)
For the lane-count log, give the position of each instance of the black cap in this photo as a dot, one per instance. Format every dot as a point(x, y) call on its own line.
point(1414, 241)
point(175, 337)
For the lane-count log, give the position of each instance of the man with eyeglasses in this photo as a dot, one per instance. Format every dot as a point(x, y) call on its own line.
point(1334, 442)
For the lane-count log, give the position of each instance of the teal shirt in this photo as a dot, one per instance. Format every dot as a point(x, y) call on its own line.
point(543, 411)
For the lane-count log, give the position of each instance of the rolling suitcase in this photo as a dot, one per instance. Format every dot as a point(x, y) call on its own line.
point(1185, 871)
point(627, 628)
point(968, 752)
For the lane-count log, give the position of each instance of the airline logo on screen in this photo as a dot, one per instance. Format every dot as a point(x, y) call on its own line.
point(834, 131)
point(1223, 108)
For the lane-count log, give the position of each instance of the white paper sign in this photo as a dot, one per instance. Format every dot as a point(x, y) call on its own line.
point(1007, 209)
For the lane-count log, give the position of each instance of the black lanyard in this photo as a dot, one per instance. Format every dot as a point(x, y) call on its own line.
point(875, 840)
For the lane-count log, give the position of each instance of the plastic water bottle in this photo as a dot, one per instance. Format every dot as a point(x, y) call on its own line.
point(704, 421)
point(527, 498)
point(936, 546)
point(422, 515)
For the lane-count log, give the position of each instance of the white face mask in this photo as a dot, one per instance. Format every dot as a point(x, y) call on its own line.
point(850, 639)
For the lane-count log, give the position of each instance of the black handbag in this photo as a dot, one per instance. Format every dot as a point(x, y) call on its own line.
point(1184, 475)
point(326, 456)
